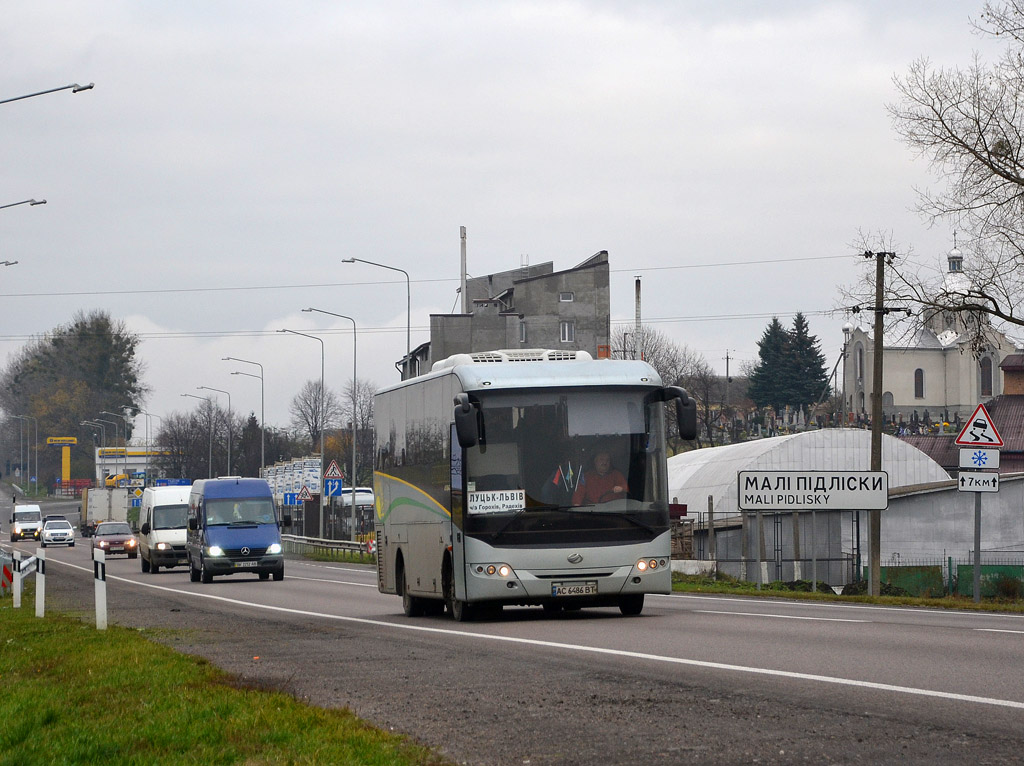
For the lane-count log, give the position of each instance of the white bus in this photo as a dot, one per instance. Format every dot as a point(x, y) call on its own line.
point(485, 485)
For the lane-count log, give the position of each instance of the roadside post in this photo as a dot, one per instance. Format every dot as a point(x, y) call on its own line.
point(99, 573)
point(979, 442)
point(794, 491)
point(40, 560)
point(16, 585)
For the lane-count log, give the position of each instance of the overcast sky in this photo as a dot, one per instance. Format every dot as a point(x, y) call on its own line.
point(232, 154)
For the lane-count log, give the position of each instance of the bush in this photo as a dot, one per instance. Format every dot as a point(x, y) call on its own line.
point(1008, 587)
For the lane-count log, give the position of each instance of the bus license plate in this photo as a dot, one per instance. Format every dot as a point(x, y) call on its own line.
point(588, 588)
point(246, 563)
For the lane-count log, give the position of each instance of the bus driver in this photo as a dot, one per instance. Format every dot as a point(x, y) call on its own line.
point(604, 483)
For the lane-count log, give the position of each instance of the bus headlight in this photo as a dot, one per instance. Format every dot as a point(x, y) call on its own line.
point(501, 570)
point(650, 564)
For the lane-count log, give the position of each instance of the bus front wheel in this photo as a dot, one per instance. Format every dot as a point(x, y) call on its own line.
point(632, 605)
point(459, 610)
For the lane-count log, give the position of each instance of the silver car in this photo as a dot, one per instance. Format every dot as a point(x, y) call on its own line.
point(58, 532)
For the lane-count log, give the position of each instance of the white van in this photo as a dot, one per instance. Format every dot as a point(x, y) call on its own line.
point(26, 521)
point(162, 527)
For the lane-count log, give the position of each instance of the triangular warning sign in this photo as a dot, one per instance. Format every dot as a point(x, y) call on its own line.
point(304, 494)
point(979, 431)
point(333, 471)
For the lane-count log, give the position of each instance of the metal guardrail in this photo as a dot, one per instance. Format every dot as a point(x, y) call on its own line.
point(304, 545)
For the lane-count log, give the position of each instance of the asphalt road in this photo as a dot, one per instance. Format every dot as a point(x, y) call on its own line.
point(696, 679)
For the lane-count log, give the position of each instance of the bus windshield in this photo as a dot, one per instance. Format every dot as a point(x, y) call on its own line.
point(572, 466)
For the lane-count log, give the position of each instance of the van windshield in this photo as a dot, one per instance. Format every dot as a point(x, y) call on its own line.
point(170, 516)
point(249, 510)
point(24, 516)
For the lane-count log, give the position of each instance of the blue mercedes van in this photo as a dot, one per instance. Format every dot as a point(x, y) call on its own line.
point(233, 527)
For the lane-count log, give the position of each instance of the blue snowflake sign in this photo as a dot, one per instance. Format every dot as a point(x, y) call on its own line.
point(979, 457)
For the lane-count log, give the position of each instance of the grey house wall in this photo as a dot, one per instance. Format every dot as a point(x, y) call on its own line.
point(530, 297)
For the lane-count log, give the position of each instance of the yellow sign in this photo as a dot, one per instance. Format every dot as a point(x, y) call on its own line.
point(61, 440)
point(137, 492)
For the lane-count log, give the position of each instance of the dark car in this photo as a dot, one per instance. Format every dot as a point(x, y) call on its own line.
point(115, 537)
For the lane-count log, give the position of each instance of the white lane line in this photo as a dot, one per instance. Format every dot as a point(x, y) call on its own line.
point(829, 605)
point(776, 616)
point(333, 582)
point(997, 630)
point(587, 649)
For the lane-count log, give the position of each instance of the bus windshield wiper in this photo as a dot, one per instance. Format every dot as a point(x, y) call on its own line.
point(620, 514)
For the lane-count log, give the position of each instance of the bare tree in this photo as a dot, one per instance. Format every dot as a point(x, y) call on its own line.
point(672, 360)
point(313, 409)
point(970, 124)
point(365, 391)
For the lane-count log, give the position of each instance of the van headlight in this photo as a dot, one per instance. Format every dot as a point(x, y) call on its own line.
point(274, 548)
point(214, 550)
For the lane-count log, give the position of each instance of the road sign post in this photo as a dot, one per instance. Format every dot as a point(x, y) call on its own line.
point(979, 431)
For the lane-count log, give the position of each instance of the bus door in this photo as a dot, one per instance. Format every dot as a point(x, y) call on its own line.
point(457, 540)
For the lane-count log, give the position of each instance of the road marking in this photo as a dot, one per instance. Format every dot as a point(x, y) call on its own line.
point(827, 605)
point(997, 630)
point(334, 582)
point(777, 616)
point(838, 681)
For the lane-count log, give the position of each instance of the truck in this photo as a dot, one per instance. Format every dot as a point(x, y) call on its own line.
point(105, 504)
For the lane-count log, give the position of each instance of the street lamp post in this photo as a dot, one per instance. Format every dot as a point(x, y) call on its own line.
point(73, 87)
point(126, 420)
point(114, 424)
point(408, 297)
point(24, 202)
point(222, 391)
point(209, 420)
point(103, 430)
point(263, 419)
point(352, 481)
point(149, 442)
point(323, 425)
point(847, 331)
point(24, 448)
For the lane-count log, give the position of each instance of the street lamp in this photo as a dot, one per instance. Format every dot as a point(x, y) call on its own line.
point(126, 420)
point(149, 443)
point(24, 202)
point(263, 419)
point(36, 477)
point(222, 391)
point(352, 481)
point(323, 424)
point(74, 87)
point(408, 296)
point(114, 424)
point(847, 332)
point(103, 430)
point(209, 420)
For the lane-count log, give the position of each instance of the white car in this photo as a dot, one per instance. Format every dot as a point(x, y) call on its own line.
point(58, 532)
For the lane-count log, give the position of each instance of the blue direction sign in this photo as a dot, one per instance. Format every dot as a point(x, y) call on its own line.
point(291, 498)
point(332, 487)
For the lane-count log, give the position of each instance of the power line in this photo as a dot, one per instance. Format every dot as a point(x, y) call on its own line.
point(375, 283)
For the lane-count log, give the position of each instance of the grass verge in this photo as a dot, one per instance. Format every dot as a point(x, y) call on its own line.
point(699, 584)
point(76, 695)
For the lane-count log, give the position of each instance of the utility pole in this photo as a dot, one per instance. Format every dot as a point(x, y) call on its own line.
point(874, 517)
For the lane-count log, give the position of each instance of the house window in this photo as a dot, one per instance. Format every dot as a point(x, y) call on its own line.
point(919, 383)
point(567, 332)
point(522, 331)
point(986, 376)
point(566, 297)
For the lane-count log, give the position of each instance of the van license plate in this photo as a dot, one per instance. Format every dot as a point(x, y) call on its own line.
point(246, 563)
point(588, 588)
